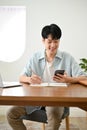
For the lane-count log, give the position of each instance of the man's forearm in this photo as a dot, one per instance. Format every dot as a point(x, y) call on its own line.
point(80, 79)
point(24, 79)
point(83, 80)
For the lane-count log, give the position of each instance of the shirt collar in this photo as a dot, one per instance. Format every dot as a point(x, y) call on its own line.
point(42, 55)
point(58, 54)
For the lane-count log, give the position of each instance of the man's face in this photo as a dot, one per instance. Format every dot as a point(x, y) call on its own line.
point(51, 45)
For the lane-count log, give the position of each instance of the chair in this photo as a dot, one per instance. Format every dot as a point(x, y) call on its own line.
point(37, 115)
point(66, 121)
point(65, 116)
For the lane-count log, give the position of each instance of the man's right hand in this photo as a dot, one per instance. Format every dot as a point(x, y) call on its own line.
point(35, 79)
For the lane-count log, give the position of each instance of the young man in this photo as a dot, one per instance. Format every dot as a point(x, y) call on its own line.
point(40, 68)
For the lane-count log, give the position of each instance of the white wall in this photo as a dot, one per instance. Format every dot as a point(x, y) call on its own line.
point(70, 15)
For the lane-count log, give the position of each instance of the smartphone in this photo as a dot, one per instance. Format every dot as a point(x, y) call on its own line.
point(59, 72)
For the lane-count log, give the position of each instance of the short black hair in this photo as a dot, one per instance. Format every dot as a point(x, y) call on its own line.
point(53, 30)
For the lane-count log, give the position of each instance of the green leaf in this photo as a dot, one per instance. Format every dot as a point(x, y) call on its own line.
point(83, 64)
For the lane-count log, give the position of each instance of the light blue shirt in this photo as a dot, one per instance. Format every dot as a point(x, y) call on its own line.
point(62, 60)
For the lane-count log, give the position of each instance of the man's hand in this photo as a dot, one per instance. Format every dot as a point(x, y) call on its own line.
point(35, 79)
point(67, 79)
point(62, 78)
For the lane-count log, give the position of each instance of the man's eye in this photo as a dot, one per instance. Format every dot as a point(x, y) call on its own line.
point(56, 42)
point(49, 42)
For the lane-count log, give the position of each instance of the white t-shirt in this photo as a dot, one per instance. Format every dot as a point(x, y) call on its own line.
point(48, 72)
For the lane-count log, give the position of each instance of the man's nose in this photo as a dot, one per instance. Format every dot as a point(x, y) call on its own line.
point(52, 45)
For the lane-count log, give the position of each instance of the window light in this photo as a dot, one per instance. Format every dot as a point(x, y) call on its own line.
point(12, 32)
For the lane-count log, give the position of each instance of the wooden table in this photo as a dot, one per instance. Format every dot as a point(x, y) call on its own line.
point(74, 95)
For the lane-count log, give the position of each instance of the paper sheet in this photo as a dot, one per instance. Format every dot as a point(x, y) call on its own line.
point(50, 84)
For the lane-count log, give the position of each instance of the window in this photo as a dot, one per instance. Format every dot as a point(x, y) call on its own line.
point(12, 32)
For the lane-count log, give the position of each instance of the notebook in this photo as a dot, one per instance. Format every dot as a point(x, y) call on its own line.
point(50, 84)
point(8, 84)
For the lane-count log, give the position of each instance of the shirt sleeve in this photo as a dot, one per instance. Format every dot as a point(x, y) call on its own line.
point(76, 69)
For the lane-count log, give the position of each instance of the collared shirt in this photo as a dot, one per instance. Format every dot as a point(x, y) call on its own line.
point(36, 64)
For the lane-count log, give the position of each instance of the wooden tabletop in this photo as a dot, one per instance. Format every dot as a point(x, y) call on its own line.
point(73, 95)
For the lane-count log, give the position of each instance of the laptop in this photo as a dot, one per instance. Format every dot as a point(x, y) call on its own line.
point(8, 84)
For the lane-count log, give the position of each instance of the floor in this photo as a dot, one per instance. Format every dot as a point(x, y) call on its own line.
point(78, 120)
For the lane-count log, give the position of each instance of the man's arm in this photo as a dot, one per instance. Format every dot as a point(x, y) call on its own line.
point(34, 79)
point(68, 79)
point(80, 79)
point(24, 79)
point(83, 80)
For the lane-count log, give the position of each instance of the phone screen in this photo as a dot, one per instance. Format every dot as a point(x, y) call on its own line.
point(59, 72)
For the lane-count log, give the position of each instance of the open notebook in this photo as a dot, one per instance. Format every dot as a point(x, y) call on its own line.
point(50, 84)
point(8, 84)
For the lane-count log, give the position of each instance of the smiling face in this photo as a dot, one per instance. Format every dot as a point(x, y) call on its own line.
point(51, 45)
point(51, 35)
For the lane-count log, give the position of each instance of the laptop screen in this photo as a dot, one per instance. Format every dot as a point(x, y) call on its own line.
point(1, 83)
